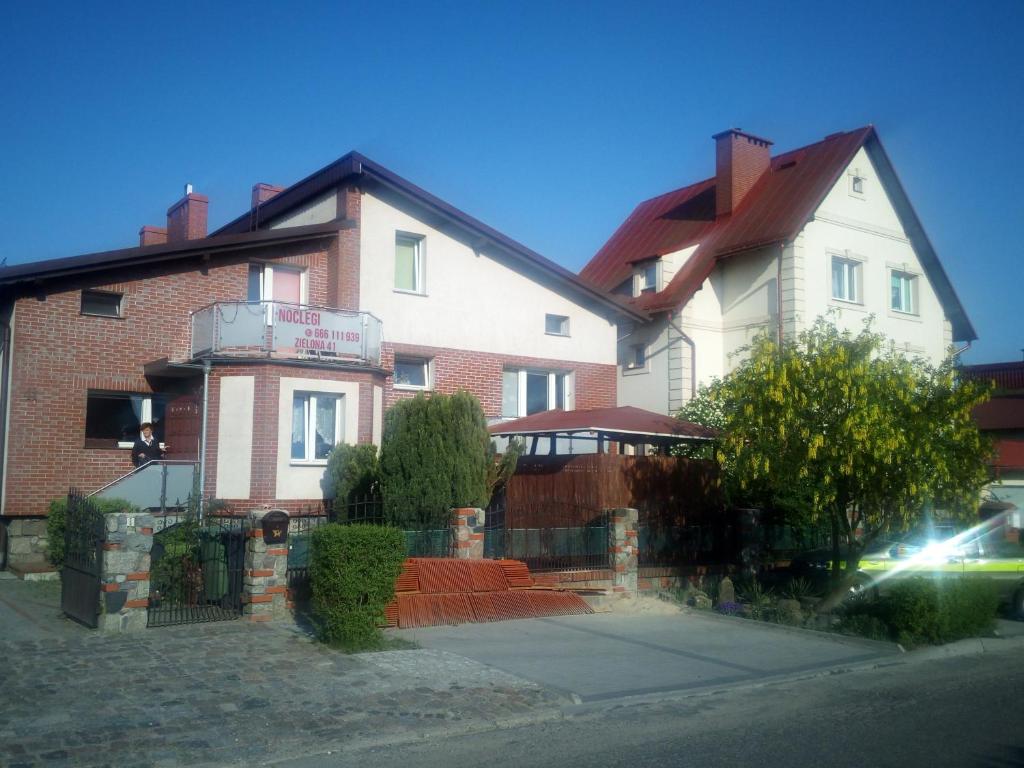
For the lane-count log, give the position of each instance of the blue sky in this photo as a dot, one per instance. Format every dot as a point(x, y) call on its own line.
point(549, 121)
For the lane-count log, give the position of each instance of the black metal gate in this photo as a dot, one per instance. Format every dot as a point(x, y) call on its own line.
point(83, 560)
point(197, 570)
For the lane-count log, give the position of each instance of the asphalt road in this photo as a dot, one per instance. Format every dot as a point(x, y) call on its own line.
point(963, 711)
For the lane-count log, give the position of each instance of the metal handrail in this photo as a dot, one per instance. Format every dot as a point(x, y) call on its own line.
point(137, 469)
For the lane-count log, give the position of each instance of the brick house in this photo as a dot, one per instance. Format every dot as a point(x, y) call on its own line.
point(286, 331)
point(769, 244)
point(1002, 418)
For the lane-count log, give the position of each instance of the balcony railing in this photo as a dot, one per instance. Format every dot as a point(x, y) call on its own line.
point(280, 329)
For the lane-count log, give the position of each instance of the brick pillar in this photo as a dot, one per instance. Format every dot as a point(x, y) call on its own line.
point(623, 548)
point(124, 577)
point(469, 533)
point(265, 582)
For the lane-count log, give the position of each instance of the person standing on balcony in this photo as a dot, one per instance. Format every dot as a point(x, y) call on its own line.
point(146, 448)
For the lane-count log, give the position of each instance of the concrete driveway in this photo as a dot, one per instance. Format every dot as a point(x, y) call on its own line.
point(608, 656)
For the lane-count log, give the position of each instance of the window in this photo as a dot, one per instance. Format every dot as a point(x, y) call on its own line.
point(524, 392)
point(268, 282)
point(112, 419)
point(316, 425)
point(845, 279)
point(637, 357)
point(649, 278)
point(903, 286)
point(412, 373)
point(556, 325)
point(408, 263)
point(101, 303)
point(857, 185)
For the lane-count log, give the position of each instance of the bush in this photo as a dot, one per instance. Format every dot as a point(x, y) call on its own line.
point(352, 472)
point(433, 457)
point(56, 523)
point(352, 572)
point(919, 611)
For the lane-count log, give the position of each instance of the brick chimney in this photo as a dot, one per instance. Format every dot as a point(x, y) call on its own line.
point(262, 192)
point(740, 159)
point(186, 219)
point(150, 235)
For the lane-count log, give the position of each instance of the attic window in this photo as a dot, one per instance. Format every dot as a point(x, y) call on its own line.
point(787, 164)
point(857, 185)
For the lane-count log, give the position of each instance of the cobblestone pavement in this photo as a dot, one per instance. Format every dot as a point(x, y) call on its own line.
point(234, 693)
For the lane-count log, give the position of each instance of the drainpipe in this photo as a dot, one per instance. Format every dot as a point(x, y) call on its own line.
point(202, 437)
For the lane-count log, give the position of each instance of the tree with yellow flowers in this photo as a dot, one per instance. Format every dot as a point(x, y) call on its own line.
point(841, 431)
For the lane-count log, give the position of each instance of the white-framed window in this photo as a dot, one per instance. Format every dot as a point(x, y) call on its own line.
point(637, 357)
point(317, 421)
point(526, 391)
point(556, 325)
point(409, 263)
point(274, 282)
point(646, 278)
point(102, 303)
point(858, 182)
point(412, 372)
point(903, 290)
point(113, 419)
point(846, 279)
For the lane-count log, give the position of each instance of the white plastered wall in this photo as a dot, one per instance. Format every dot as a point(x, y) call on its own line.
point(472, 300)
point(297, 481)
point(867, 229)
point(645, 387)
point(234, 437)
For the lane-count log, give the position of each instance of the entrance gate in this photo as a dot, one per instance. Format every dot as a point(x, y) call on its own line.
point(83, 560)
point(197, 571)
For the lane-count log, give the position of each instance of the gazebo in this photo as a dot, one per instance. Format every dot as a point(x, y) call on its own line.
point(625, 424)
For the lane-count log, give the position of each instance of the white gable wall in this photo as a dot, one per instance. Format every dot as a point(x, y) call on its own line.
point(472, 301)
point(867, 229)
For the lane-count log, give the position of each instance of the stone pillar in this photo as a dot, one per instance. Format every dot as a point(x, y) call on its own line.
point(623, 548)
point(124, 577)
point(469, 533)
point(265, 582)
point(27, 548)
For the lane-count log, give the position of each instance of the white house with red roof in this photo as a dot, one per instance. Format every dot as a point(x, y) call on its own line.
point(768, 244)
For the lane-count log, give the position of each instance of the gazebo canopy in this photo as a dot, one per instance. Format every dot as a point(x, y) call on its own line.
point(625, 424)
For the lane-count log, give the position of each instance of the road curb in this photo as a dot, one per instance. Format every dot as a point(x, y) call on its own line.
point(972, 646)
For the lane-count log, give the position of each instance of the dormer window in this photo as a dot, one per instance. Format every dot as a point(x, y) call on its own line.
point(645, 278)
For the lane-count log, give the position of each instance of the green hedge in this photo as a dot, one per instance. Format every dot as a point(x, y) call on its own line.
point(352, 570)
point(920, 611)
point(56, 522)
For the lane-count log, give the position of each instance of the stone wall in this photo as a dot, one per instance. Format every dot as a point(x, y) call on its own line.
point(124, 587)
point(26, 544)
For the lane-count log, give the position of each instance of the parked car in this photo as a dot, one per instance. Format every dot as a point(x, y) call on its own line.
point(983, 551)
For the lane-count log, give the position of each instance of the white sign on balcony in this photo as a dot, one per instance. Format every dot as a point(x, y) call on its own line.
point(304, 330)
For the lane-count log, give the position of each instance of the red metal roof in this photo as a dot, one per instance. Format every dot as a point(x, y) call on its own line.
point(1003, 375)
point(1000, 413)
point(774, 211)
point(625, 420)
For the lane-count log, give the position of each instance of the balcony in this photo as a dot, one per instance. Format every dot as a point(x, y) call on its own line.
point(276, 329)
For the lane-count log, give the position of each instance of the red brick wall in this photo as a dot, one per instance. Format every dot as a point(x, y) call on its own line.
point(266, 421)
point(59, 354)
point(480, 373)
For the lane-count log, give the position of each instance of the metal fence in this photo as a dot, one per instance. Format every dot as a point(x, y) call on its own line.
point(548, 535)
point(197, 569)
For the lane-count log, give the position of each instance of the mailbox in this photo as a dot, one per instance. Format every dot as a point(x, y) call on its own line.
point(275, 527)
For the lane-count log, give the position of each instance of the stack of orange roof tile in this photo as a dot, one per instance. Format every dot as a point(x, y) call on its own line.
point(433, 591)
